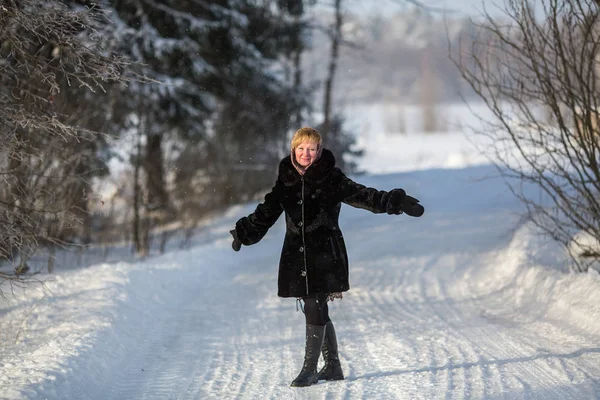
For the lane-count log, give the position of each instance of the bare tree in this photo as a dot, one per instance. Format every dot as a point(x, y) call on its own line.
point(336, 38)
point(141, 246)
point(527, 65)
point(338, 139)
point(51, 62)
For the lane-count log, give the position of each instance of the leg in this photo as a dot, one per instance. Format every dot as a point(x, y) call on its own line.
point(315, 333)
point(332, 370)
point(317, 313)
point(316, 310)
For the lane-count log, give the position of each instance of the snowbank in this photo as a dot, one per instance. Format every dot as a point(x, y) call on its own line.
point(532, 276)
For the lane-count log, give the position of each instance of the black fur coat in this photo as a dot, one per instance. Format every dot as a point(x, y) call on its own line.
point(313, 258)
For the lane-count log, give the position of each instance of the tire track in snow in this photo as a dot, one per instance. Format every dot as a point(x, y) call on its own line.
point(411, 329)
point(463, 382)
point(372, 327)
point(134, 363)
point(233, 372)
point(461, 356)
point(172, 377)
point(199, 379)
point(387, 305)
point(496, 373)
point(419, 314)
point(448, 372)
point(448, 317)
point(436, 376)
point(457, 323)
point(491, 376)
point(494, 356)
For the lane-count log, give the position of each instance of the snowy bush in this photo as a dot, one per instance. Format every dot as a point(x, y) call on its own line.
point(52, 70)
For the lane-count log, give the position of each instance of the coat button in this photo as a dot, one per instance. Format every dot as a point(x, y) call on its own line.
point(303, 273)
point(300, 223)
point(300, 201)
point(301, 249)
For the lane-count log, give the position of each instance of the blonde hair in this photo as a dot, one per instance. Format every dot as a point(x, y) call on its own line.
point(306, 134)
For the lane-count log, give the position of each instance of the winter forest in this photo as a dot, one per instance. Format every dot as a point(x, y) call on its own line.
point(135, 134)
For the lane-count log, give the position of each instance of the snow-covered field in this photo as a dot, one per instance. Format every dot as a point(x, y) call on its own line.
point(392, 139)
point(463, 303)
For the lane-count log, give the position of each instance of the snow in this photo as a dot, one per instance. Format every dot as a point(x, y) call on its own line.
point(463, 303)
point(393, 140)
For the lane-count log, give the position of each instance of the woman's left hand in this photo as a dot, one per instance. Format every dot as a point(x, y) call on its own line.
point(411, 207)
point(237, 244)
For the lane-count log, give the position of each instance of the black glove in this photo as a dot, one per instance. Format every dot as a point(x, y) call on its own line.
point(411, 207)
point(236, 245)
point(395, 199)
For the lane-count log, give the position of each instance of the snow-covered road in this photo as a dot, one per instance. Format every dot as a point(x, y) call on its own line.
point(448, 306)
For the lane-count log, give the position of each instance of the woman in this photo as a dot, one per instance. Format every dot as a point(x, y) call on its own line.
point(314, 264)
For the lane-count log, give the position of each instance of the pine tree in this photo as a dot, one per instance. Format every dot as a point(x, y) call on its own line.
point(212, 79)
point(252, 124)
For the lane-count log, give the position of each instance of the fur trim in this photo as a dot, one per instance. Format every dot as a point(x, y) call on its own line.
point(317, 171)
point(301, 170)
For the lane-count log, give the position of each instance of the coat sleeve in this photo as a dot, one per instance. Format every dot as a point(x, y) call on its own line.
point(254, 227)
point(376, 201)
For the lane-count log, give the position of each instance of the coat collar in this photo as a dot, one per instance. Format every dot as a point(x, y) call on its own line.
point(317, 172)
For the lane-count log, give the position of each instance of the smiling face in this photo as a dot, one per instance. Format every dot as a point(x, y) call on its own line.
point(306, 152)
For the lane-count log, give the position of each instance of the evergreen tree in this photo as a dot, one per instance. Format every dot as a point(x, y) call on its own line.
point(213, 80)
point(252, 125)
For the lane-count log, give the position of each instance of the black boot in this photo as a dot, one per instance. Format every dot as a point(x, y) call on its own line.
point(332, 370)
point(314, 341)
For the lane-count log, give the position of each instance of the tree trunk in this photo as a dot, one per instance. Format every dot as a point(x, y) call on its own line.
point(157, 200)
point(297, 60)
point(155, 174)
point(335, 46)
point(18, 196)
point(51, 258)
point(137, 197)
point(79, 204)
